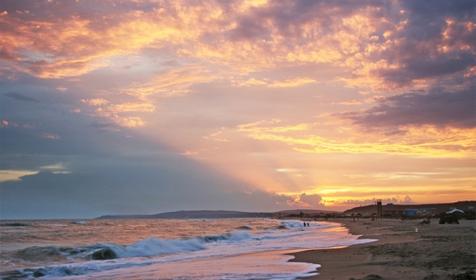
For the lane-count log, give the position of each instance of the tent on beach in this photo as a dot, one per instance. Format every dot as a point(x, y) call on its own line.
point(455, 211)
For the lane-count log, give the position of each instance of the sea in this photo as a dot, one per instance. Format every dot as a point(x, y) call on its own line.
point(239, 248)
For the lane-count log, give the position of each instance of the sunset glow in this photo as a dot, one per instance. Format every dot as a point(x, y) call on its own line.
point(291, 104)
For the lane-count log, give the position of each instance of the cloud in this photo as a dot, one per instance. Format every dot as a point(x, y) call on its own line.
point(429, 67)
point(53, 47)
point(419, 141)
point(217, 136)
point(361, 202)
point(101, 186)
point(272, 126)
point(50, 136)
point(189, 71)
point(128, 105)
point(20, 97)
point(4, 123)
point(407, 200)
point(310, 200)
point(303, 200)
point(287, 83)
point(95, 156)
point(95, 102)
point(443, 45)
point(171, 82)
point(438, 108)
point(91, 171)
point(56, 168)
point(15, 175)
point(378, 46)
point(119, 113)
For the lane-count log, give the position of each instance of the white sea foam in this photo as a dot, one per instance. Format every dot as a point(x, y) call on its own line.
point(155, 247)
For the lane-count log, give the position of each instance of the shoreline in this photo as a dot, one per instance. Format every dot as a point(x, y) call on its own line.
point(404, 250)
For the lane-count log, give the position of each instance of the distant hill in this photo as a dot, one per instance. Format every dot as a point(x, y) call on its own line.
point(221, 214)
point(194, 214)
point(397, 209)
point(292, 212)
point(390, 210)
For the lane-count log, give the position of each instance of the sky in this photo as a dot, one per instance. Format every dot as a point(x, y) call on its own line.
point(117, 107)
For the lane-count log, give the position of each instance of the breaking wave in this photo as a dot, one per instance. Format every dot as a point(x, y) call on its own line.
point(109, 256)
point(144, 248)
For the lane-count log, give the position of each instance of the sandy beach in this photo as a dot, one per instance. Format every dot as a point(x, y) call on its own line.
point(404, 250)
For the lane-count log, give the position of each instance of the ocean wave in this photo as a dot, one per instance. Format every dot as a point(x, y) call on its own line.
point(101, 257)
point(149, 247)
point(79, 222)
point(65, 270)
point(50, 253)
point(244, 227)
point(292, 224)
point(14, 224)
point(145, 248)
point(154, 247)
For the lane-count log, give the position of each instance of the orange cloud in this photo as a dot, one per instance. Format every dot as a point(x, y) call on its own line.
point(426, 141)
point(287, 83)
point(73, 47)
point(170, 83)
point(261, 46)
point(95, 101)
point(14, 175)
point(132, 107)
point(242, 37)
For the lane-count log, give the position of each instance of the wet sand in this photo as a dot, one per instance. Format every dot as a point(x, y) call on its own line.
point(404, 250)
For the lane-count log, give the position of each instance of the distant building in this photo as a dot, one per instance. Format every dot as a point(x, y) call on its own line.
point(413, 211)
point(392, 213)
point(379, 209)
point(410, 213)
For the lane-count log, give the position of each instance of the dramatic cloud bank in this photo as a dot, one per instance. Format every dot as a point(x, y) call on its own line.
point(110, 106)
point(437, 107)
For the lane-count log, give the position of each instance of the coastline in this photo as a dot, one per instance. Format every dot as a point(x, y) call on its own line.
point(404, 250)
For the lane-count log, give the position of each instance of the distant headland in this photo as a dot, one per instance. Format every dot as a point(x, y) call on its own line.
point(389, 210)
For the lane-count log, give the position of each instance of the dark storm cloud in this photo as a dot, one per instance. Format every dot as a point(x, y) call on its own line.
point(440, 108)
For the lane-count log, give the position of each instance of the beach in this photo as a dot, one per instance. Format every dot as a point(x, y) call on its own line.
point(404, 250)
point(248, 248)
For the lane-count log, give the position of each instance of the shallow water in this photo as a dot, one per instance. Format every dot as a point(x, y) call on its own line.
point(163, 248)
